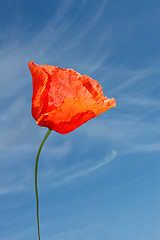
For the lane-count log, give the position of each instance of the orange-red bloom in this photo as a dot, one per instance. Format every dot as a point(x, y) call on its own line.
point(63, 99)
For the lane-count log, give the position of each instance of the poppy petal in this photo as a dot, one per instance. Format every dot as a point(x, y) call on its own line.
point(63, 99)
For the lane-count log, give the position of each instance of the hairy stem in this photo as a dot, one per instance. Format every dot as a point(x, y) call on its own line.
point(36, 187)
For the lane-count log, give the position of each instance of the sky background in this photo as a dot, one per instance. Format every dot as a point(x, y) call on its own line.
point(102, 180)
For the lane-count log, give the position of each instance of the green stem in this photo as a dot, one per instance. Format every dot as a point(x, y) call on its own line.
point(36, 188)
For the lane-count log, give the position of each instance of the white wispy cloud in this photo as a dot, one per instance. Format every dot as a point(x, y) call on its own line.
point(88, 25)
point(70, 176)
point(60, 151)
point(14, 183)
point(127, 131)
point(140, 100)
point(137, 76)
point(145, 148)
point(127, 184)
point(76, 233)
point(19, 234)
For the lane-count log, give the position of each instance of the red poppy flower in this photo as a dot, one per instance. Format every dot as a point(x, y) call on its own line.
point(63, 99)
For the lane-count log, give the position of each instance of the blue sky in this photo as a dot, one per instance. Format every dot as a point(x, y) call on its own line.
point(102, 180)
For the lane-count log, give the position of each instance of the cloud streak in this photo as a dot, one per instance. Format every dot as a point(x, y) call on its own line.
point(145, 148)
point(72, 234)
point(81, 173)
